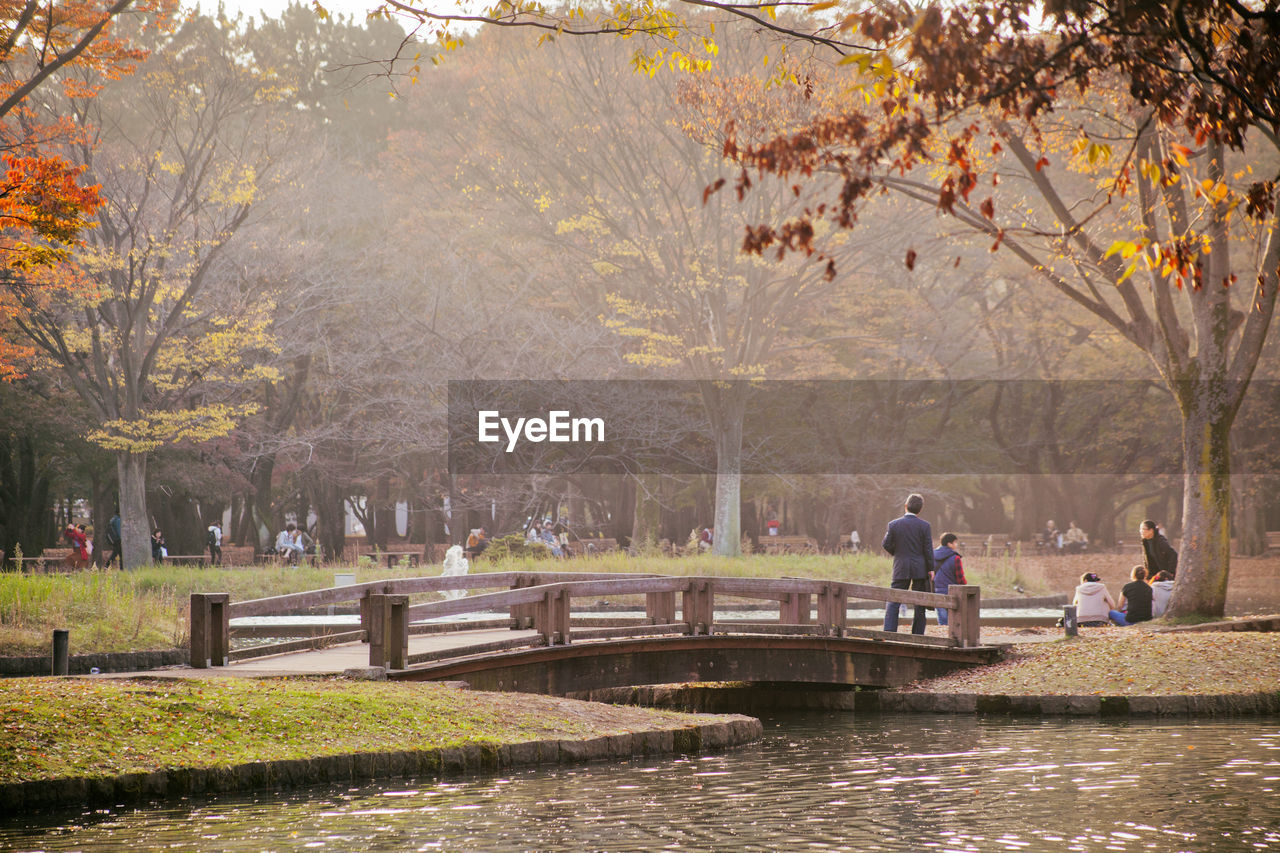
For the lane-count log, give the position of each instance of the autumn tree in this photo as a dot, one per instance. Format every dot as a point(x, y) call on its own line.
point(182, 150)
point(1196, 85)
point(44, 201)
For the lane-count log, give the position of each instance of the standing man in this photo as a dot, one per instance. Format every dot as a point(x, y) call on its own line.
point(909, 540)
point(1157, 554)
point(214, 539)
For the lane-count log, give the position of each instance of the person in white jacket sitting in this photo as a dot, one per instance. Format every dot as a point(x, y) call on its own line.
point(1094, 606)
point(1161, 589)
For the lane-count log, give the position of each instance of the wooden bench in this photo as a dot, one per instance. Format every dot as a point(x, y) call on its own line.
point(394, 557)
point(1273, 539)
point(987, 544)
point(591, 547)
point(788, 545)
point(198, 560)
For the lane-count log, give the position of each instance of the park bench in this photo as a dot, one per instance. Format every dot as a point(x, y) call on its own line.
point(1273, 539)
point(198, 560)
point(788, 545)
point(592, 547)
point(988, 544)
point(393, 558)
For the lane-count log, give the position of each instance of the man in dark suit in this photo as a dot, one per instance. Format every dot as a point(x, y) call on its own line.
point(910, 540)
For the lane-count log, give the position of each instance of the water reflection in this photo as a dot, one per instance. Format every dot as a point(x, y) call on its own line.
point(818, 781)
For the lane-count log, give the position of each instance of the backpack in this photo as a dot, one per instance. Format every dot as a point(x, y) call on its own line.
point(211, 538)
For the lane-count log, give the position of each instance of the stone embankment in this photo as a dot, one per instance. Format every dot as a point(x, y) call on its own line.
point(715, 699)
point(733, 730)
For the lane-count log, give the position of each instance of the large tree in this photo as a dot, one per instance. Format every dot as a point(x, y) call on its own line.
point(1196, 82)
point(182, 150)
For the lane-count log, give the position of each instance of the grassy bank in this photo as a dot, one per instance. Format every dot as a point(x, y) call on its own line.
point(81, 727)
point(147, 608)
point(1120, 661)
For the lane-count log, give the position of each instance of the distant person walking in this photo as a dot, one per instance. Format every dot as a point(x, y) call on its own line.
point(1157, 554)
point(909, 540)
point(214, 539)
point(113, 541)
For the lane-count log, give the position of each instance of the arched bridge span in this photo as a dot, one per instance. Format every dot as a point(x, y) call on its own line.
point(580, 667)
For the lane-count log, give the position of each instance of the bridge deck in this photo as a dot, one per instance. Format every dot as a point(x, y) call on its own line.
point(335, 659)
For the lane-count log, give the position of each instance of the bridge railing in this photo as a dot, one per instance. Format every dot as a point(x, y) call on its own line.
point(543, 601)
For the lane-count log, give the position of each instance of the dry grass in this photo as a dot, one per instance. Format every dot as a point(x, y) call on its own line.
point(1120, 661)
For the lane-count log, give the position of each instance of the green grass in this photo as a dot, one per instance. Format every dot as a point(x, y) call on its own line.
point(146, 608)
point(51, 728)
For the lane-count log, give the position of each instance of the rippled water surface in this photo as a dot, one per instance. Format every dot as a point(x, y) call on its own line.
point(817, 782)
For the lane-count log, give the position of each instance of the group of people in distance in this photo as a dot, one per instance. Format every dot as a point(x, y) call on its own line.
point(1143, 598)
point(1074, 541)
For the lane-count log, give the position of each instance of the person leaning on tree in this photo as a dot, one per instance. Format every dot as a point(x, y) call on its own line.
point(1157, 554)
point(909, 540)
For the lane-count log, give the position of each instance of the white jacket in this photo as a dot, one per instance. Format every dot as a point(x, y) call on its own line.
point(1160, 592)
point(1093, 602)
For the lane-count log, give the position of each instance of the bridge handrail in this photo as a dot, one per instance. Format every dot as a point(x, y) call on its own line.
point(397, 586)
point(740, 587)
point(550, 597)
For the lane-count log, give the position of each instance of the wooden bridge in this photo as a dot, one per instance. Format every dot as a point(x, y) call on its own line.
point(548, 648)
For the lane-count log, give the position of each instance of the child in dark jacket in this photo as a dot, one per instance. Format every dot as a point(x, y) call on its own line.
point(949, 569)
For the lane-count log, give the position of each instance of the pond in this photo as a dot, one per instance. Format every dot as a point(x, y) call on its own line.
point(817, 781)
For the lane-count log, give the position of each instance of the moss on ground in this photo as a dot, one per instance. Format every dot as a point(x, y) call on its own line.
point(51, 728)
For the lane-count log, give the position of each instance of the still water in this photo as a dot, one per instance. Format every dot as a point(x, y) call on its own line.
point(816, 782)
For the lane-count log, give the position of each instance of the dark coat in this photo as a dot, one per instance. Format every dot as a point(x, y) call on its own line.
point(910, 540)
point(1158, 556)
point(949, 568)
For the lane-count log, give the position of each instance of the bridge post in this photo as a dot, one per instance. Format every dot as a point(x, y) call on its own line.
point(210, 629)
point(794, 608)
point(963, 621)
point(551, 616)
point(660, 607)
point(388, 631)
point(698, 606)
point(523, 615)
point(833, 610)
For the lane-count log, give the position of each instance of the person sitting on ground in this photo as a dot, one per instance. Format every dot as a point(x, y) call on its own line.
point(476, 543)
point(1076, 542)
point(949, 569)
point(289, 543)
point(549, 539)
point(1161, 589)
point(1094, 605)
point(1135, 597)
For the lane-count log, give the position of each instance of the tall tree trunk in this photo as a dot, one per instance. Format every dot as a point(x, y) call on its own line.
point(1205, 555)
point(727, 541)
point(135, 524)
point(647, 516)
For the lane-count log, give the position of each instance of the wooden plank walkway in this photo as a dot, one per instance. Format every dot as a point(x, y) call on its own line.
point(336, 659)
